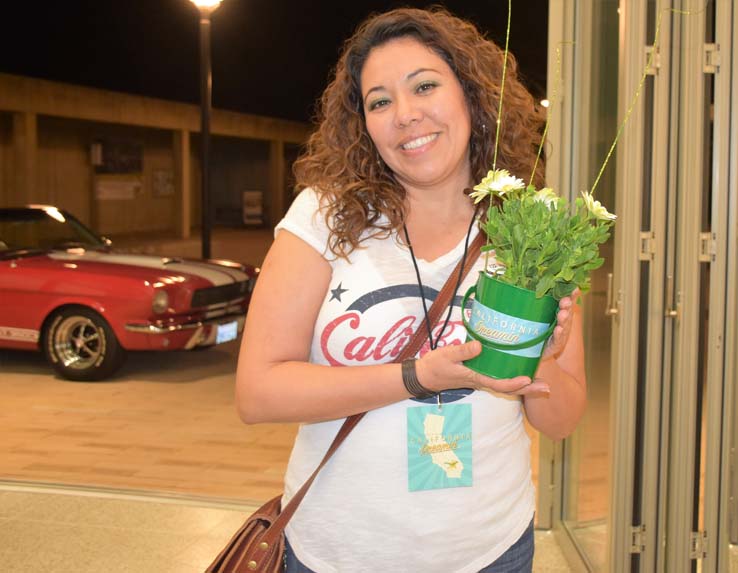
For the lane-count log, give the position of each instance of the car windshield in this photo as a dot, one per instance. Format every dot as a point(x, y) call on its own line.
point(44, 228)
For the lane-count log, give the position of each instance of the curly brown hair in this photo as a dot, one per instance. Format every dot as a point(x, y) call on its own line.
point(360, 196)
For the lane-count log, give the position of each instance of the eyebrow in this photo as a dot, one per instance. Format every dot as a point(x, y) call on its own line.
point(410, 76)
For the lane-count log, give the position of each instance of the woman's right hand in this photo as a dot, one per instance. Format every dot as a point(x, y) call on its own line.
point(443, 369)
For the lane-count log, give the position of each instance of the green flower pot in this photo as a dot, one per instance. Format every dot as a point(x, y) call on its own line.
point(512, 325)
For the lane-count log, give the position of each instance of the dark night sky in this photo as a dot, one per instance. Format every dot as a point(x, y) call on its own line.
point(269, 57)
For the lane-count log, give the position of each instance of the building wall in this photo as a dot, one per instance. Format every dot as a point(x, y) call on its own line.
point(149, 210)
point(63, 175)
point(46, 132)
point(291, 153)
point(238, 165)
point(6, 154)
point(42, 97)
point(67, 178)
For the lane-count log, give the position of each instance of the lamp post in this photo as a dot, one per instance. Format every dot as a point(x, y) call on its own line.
point(206, 7)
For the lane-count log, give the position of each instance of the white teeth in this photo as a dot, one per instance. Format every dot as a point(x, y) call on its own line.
point(415, 143)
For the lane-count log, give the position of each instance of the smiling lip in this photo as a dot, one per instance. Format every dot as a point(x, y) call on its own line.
point(418, 142)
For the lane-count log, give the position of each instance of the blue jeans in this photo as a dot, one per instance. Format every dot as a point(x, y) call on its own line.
point(517, 559)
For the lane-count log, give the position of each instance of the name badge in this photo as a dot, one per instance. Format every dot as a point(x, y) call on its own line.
point(439, 447)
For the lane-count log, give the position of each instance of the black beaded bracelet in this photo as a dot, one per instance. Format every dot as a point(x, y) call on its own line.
point(411, 382)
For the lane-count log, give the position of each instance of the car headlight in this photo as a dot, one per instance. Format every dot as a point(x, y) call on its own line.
point(160, 303)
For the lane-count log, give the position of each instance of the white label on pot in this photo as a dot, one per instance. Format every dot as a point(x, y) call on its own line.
point(502, 328)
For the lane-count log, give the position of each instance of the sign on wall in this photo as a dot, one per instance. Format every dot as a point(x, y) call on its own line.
point(162, 183)
point(117, 156)
point(110, 188)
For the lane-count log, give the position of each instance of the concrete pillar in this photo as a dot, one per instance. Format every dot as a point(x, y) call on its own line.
point(276, 182)
point(25, 151)
point(182, 182)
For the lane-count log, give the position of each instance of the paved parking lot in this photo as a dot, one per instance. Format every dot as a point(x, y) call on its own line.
point(166, 422)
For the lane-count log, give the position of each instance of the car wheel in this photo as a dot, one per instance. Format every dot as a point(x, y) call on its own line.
point(80, 344)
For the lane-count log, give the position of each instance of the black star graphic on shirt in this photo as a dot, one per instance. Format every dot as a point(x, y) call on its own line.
point(337, 292)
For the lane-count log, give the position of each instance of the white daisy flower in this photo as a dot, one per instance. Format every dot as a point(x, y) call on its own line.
point(596, 208)
point(498, 182)
point(547, 196)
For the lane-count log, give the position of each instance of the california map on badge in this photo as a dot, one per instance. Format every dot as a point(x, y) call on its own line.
point(439, 447)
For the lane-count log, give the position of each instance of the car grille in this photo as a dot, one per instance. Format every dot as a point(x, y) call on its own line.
point(219, 294)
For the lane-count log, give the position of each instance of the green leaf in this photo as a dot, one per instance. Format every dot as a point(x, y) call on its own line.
point(550, 251)
point(545, 284)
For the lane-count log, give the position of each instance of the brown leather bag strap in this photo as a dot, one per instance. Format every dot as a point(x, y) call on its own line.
point(411, 349)
point(443, 299)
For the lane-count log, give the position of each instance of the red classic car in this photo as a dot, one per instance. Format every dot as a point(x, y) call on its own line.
point(63, 290)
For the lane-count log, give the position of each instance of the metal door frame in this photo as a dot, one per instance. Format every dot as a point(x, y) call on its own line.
point(721, 336)
point(729, 474)
point(670, 418)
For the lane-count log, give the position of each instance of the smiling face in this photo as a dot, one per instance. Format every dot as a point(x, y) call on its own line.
point(417, 115)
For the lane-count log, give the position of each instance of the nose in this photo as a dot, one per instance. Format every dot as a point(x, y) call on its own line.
point(407, 111)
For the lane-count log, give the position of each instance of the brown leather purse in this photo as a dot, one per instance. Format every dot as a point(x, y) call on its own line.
point(259, 543)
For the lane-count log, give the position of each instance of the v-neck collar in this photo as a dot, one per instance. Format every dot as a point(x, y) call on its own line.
point(451, 256)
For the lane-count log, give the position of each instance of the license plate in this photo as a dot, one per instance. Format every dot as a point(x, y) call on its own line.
point(226, 332)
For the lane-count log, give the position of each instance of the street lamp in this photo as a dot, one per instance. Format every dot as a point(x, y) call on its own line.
point(206, 8)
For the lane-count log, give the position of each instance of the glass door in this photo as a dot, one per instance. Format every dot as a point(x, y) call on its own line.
point(696, 526)
point(583, 90)
point(586, 502)
point(660, 420)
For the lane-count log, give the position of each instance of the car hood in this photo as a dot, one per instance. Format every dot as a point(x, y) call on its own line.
point(146, 267)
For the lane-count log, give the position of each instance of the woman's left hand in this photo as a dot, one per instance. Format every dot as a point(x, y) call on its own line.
point(556, 344)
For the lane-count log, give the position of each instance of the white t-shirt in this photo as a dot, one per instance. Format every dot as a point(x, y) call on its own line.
point(359, 514)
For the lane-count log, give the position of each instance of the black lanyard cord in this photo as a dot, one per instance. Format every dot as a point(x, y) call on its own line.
point(428, 325)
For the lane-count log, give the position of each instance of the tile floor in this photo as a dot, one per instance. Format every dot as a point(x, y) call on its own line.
point(59, 529)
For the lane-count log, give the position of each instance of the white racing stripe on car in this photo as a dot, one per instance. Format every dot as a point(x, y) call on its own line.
point(212, 273)
point(18, 334)
point(235, 274)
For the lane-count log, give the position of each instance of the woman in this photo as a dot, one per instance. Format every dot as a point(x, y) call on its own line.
point(406, 125)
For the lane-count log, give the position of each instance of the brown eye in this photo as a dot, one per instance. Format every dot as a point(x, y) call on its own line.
point(378, 103)
point(425, 87)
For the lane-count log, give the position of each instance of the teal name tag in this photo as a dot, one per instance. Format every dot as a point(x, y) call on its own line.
point(439, 447)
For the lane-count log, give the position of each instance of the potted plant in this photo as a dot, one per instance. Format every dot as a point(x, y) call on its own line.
point(543, 250)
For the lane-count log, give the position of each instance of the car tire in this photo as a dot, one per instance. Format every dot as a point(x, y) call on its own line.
point(80, 345)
